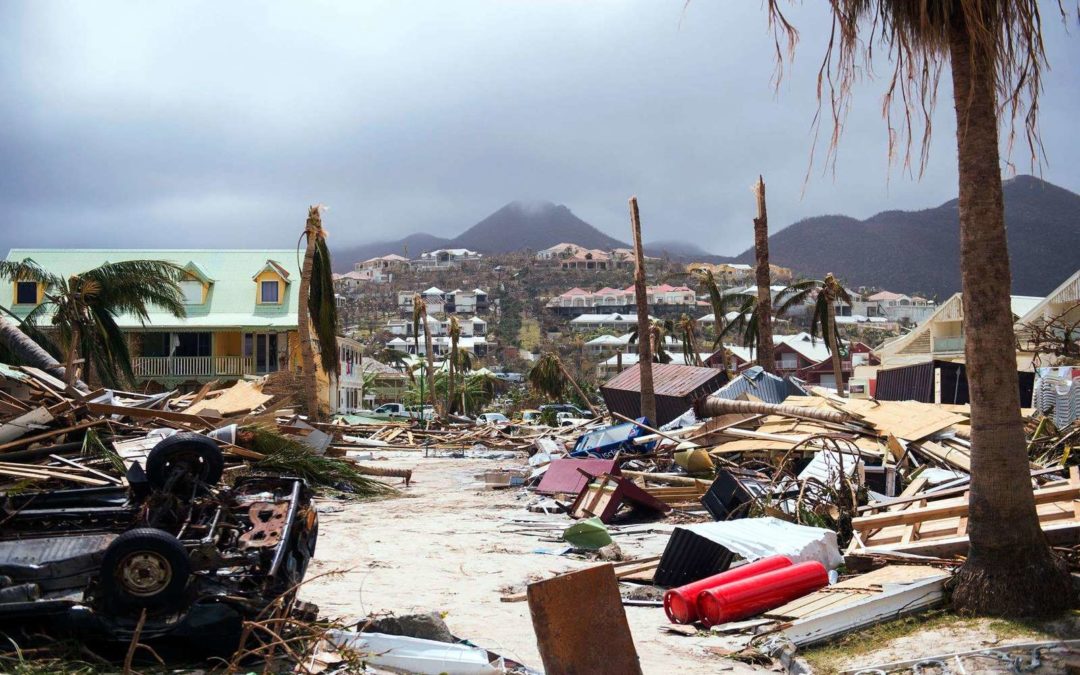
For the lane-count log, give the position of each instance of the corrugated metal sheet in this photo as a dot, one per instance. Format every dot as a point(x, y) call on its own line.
point(689, 557)
point(676, 388)
point(916, 383)
point(766, 386)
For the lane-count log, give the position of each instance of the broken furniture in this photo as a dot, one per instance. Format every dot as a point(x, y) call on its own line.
point(604, 494)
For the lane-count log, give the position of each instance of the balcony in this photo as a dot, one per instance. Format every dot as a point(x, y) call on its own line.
point(948, 344)
point(193, 366)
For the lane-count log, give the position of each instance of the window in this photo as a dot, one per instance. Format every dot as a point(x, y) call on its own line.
point(26, 293)
point(268, 292)
point(193, 292)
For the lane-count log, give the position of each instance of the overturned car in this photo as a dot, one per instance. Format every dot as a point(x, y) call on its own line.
point(197, 557)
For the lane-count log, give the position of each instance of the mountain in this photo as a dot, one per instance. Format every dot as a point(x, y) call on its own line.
point(518, 225)
point(531, 225)
point(919, 251)
point(680, 250)
point(415, 244)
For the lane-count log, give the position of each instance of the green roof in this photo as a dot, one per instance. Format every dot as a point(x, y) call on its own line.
point(229, 304)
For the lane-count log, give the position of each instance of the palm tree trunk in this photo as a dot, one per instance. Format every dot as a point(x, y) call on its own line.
point(834, 348)
point(31, 353)
point(450, 376)
point(1010, 569)
point(577, 388)
point(430, 368)
point(648, 397)
point(763, 277)
point(72, 351)
point(309, 376)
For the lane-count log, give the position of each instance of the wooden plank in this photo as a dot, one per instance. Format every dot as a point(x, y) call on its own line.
point(580, 624)
point(954, 508)
point(27, 440)
point(204, 419)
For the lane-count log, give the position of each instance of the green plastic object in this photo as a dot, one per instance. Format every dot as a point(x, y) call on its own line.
point(590, 534)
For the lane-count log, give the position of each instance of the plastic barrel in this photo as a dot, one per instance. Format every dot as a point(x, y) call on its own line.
point(749, 597)
point(680, 604)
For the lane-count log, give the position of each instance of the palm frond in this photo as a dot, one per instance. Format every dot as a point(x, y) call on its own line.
point(797, 294)
point(134, 286)
point(26, 270)
point(546, 376)
point(322, 307)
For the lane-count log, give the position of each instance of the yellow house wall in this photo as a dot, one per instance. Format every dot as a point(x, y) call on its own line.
point(228, 344)
point(268, 275)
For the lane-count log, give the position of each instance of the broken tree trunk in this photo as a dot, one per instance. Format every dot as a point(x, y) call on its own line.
point(713, 406)
point(648, 397)
point(763, 278)
point(31, 353)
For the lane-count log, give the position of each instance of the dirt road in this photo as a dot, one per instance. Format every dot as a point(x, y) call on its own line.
point(443, 547)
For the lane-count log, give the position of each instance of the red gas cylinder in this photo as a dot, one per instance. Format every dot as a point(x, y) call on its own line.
point(750, 597)
point(680, 603)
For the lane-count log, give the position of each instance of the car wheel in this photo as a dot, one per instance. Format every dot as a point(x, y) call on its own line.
point(144, 568)
point(184, 457)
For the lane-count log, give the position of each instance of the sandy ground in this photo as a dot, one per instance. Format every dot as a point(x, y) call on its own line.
point(444, 547)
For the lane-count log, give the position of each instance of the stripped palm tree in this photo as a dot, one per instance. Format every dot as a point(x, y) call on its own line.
point(84, 308)
point(549, 378)
point(764, 284)
point(317, 308)
point(688, 326)
point(454, 331)
point(658, 331)
point(825, 293)
point(720, 303)
point(994, 49)
point(420, 320)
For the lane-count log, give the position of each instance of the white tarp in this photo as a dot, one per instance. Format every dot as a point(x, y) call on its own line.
point(414, 655)
point(754, 538)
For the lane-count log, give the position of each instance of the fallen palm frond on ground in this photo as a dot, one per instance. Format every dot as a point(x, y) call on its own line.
point(290, 457)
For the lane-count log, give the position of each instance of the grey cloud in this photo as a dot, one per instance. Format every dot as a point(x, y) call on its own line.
point(201, 123)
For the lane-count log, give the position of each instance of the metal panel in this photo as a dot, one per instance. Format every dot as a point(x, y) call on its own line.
point(689, 557)
point(563, 477)
point(676, 388)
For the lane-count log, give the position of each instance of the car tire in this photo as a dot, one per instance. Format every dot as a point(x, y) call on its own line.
point(197, 455)
point(144, 568)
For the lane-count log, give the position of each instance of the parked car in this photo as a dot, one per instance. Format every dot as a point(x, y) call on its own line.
point(492, 418)
point(568, 408)
point(200, 559)
point(392, 410)
point(568, 419)
point(529, 417)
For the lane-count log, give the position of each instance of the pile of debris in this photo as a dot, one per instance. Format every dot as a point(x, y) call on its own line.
point(788, 523)
point(174, 520)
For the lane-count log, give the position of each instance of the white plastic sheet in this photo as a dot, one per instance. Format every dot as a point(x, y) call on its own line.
point(414, 655)
point(754, 538)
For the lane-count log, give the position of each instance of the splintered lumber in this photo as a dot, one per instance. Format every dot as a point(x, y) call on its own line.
point(207, 419)
point(27, 440)
point(1050, 495)
point(668, 478)
point(384, 472)
point(242, 397)
point(713, 406)
point(952, 456)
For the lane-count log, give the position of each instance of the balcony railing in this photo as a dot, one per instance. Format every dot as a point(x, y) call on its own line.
point(193, 366)
point(949, 344)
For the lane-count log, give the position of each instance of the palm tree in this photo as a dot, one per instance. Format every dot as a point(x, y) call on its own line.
point(648, 396)
point(995, 50)
point(827, 292)
point(317, 308)
point(706, 281)
point(745, 324)
point(658, 331)
point(688, 326)
point(420, 319)
point(84, 309)
point(764, 282)
point(549, 377)
point(454, 330)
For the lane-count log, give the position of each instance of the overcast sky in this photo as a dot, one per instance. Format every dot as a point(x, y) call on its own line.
point(209, 124)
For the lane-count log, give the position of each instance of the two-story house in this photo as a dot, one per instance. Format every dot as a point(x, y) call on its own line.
point(241, 311)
